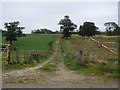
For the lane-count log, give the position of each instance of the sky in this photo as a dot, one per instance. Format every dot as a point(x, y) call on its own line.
point(37, 15)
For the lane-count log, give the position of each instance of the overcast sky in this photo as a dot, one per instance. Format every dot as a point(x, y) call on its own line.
point(34, 15)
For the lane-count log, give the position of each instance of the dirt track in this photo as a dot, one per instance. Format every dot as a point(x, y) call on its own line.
point(62, 78)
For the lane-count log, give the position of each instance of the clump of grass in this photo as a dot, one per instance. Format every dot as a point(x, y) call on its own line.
point(14, 66)
point(48, 68)
point(51, 66)
point(111, 71)
point(96, 70)
point(84, 69)
point(23, 64)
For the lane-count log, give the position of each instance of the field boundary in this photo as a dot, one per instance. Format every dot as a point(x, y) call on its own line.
point(32, 68)
point(105, 47)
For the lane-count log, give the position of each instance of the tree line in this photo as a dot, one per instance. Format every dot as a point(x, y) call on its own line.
point(43, 31)
point(67, 28)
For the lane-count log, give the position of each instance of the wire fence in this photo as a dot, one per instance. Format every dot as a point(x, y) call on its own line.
point(24, 56)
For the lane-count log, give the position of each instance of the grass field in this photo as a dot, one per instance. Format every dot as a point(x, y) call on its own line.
point(33, 42)
point(42, 45)
point(96, 61)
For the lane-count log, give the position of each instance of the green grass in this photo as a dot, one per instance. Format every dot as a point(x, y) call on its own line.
point(18, 66)
point(51, 66)
point(109, 71)
point(48, 68)
point(84, 69)
point(23, 64)
point(92, 54)
point(33, 42)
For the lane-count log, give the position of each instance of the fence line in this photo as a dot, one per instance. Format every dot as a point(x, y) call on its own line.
point(26, 55)
point(105, 47)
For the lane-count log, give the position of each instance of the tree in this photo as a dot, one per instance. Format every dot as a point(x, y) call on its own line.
point(19, 31)
point(111, 28)
point(41, 31)
point(13, 31)
point(98, 32)
point(66, 26)
point(2, 32)
point(88, 29)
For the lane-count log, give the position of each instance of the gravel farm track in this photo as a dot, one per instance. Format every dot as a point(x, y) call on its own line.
point(63, 77)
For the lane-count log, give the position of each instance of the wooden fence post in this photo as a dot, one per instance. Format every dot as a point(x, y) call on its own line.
point(17, 56)
point(24, 56)
point(81, 53)
point(88, 56)
point(8, 54)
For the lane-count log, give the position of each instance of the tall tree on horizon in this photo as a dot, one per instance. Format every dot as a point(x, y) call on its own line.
point(67, 26)
point(88, 29)
point(13, 31)
point(112, 28)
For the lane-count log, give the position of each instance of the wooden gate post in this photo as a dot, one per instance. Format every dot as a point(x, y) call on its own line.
point(8, 54)
point(17, 56)
point(81, 53)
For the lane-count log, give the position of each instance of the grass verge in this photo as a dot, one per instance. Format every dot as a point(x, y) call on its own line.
point(95, 62)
